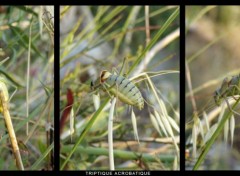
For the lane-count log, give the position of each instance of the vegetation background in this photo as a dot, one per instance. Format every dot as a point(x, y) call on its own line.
point(212, 40)
point(99, 38)
point(19, 26)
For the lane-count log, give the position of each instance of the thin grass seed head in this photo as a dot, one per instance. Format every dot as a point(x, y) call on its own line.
point(232, 128)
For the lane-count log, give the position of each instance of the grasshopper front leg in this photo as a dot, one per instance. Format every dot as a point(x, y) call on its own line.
point(220, 92)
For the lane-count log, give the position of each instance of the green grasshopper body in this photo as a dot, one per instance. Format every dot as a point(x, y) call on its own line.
point(122, 88)
point(228, 88)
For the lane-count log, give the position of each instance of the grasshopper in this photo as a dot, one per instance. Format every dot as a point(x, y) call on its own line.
point(126, 91)
point(228, 88)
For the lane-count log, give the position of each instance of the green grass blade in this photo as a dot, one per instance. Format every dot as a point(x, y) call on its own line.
point(44, 155)
point(83, 134)
point(214, 136)
point(156, 37)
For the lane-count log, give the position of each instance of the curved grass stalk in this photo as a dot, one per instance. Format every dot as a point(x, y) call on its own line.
point(151, 74)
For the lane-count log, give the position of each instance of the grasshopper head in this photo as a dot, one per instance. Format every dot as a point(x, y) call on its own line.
point(104, 75)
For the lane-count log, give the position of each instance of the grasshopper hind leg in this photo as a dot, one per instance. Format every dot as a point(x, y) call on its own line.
point(230, 107)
